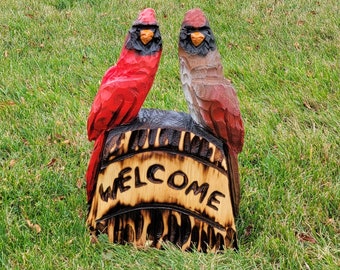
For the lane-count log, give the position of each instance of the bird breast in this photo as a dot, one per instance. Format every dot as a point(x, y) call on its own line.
point(208, 67)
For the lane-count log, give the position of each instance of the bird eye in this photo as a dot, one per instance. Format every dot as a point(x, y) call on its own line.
point(204, 28)
point(189, 29)
point(149, 27)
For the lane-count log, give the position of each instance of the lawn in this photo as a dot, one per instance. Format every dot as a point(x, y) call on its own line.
point(282, 57)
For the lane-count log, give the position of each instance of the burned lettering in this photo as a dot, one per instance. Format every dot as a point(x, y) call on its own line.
point(151, 173)
point(212, 199)
point(173, 183)
point(196, 189)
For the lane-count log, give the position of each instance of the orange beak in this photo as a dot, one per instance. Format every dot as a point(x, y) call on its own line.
point(197, 38)
point(146, 36)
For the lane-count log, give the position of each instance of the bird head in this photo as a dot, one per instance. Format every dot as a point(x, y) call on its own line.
point(144, 35)
point(196, 36)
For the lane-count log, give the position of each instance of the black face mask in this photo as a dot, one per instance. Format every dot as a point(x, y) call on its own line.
point(207, 45)
point(134, 42)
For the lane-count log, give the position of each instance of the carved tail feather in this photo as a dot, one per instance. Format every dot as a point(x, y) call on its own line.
point(94, 165)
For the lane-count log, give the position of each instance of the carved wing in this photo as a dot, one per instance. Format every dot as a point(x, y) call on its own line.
point(112, 106)
point(218, 107)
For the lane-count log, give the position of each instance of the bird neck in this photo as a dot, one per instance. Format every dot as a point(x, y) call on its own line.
point(135, 63)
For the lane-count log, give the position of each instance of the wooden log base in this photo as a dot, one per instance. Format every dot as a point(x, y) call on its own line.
point(164, 178)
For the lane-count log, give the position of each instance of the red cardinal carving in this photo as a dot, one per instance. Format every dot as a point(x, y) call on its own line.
point(124, 87)
point(211, 98)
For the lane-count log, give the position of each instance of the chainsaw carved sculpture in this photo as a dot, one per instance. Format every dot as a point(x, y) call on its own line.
point(158, 175)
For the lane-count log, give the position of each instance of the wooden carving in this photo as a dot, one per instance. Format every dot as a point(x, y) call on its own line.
point(124, 86)
point(211, 98)
point(164, 178)
point(157, 175)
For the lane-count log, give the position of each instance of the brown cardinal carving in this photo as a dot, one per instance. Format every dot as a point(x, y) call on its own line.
point(211, 98)
point(124, 87)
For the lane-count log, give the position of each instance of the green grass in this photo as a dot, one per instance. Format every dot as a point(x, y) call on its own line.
point(283, 58)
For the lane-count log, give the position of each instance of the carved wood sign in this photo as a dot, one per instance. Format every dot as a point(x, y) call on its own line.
point(164, 178)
